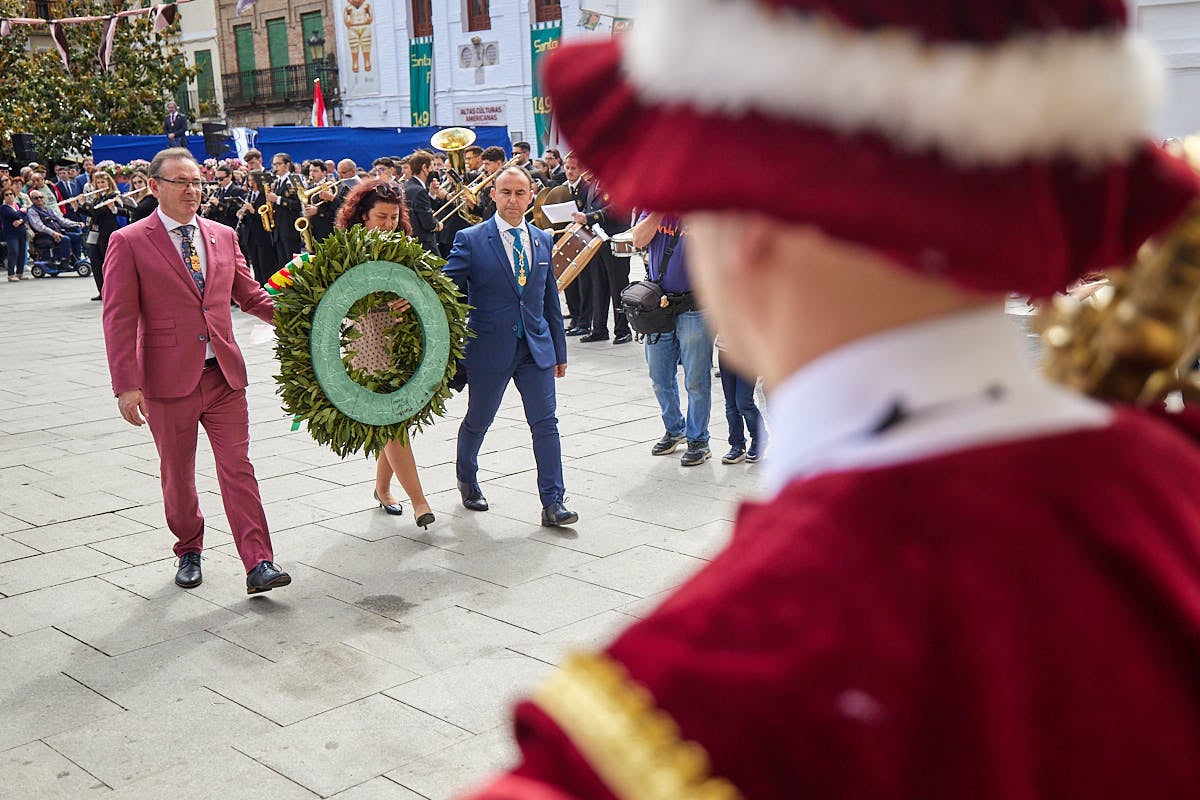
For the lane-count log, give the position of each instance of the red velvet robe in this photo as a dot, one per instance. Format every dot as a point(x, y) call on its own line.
point(1020, 620)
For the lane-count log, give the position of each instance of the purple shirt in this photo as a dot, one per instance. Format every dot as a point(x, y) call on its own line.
point(676, 280)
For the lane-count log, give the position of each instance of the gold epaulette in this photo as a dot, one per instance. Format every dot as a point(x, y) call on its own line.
point(635, 747)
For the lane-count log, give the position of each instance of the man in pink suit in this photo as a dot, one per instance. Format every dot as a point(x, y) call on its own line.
point(169, 282)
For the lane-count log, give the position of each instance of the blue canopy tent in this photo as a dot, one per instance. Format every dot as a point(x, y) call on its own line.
point(363, 145)
point(123, 149)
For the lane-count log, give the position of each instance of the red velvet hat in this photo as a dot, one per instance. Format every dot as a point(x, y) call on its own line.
point(1000, 143)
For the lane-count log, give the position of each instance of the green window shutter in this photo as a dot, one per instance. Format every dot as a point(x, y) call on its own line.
point(277, 51)
point(244, 38)
point(181, 91)
point(311, 23)
point(205, 83)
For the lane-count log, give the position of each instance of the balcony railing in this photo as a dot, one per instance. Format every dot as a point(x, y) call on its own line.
point(280, 86)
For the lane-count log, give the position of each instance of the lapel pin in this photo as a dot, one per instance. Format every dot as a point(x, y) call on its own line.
point(212, 239)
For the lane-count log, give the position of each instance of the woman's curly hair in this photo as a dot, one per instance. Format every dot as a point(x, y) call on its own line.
point(362, 198)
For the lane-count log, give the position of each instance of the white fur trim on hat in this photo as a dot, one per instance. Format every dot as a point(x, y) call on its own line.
point(1089, 96)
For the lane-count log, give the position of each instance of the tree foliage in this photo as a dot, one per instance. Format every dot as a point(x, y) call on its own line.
point(64, 109)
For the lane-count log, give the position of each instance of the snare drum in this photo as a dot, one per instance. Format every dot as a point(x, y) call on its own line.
point(572, 253)
point(622, 244)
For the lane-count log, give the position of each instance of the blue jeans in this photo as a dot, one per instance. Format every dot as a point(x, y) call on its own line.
point(16, 243)
point(739, 405)
point(690, 345)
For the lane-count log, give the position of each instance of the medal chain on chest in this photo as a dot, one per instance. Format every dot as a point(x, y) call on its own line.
point(521, 268)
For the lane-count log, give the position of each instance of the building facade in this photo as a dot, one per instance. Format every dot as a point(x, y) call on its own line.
point(458, 62)
point(201, 98)
point(1174, 27)
point(271, 54)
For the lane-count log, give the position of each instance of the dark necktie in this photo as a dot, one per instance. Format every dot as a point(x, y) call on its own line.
point(190, 257)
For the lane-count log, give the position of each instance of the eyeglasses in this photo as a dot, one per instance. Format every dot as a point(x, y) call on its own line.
point(387, 190)
point(197, 184)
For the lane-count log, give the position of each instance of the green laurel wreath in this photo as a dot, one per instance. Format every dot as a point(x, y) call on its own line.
point(301, 393)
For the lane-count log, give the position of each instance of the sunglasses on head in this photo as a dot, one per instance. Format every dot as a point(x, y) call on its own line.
point(388, 190)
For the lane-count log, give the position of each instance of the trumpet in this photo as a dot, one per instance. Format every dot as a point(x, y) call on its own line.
point(305, 194)
point(266, 215)
point(468, 195)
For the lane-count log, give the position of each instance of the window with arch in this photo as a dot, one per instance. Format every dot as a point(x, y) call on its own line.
point(547, 10)
point(479, 16)
point(422, 18)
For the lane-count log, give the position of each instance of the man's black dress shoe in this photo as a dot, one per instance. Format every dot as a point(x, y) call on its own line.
point(595, 337)
point(472, 496)
point(265, 577)
point(578, 330)
point(395, 509)
point(556, 514)
point(623, 338)
point(189, 576)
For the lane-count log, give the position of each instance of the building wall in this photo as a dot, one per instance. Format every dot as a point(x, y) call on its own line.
point(383, 99)
point(198, 32)
point(257, 16)
point(1174, 27)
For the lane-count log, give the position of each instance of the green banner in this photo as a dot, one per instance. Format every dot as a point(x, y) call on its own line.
point(420, 78)
point(543, 38)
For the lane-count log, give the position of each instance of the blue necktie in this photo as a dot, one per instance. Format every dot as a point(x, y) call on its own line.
point(191, 259)
point(521, 270)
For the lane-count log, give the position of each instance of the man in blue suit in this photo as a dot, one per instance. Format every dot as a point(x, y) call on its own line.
point(502, 265)
point(175, 126)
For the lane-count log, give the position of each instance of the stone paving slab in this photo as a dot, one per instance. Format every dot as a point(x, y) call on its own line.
point(385, 671)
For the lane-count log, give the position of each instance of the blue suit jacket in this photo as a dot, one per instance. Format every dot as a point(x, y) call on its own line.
point(479, 265)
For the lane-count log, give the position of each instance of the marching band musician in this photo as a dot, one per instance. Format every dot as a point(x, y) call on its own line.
point(226, 200)
point(491, 160)
point(287, 210)
point(257, 242)
point(100, 210)
point(473, 161)
point(321, 213)
point(579, 291)
point(611, 274)
point(966, 582)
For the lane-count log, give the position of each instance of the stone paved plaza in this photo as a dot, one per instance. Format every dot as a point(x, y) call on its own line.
point(385, 671)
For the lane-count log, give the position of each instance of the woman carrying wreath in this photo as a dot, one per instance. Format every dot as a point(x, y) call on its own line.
point(378, 205)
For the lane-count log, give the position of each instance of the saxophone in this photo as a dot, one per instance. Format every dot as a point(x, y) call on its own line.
point(1134, 341)
point(266, 215)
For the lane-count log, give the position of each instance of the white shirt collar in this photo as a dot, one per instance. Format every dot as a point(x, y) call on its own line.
point(171, 224)
point(502, 225)
point(826, 415)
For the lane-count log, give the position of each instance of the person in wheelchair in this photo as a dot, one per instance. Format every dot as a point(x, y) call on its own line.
point(50, 230)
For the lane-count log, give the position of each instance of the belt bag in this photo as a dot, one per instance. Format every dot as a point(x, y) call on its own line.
point(647, 308)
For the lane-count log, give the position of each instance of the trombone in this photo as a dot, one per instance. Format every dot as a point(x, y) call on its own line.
point(468, 195)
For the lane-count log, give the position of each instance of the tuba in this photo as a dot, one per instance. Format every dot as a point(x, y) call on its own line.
point(1135, 340)
point(452, 142)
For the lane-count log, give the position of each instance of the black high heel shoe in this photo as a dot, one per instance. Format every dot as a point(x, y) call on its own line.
point(425, 520)
point(395, 509)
